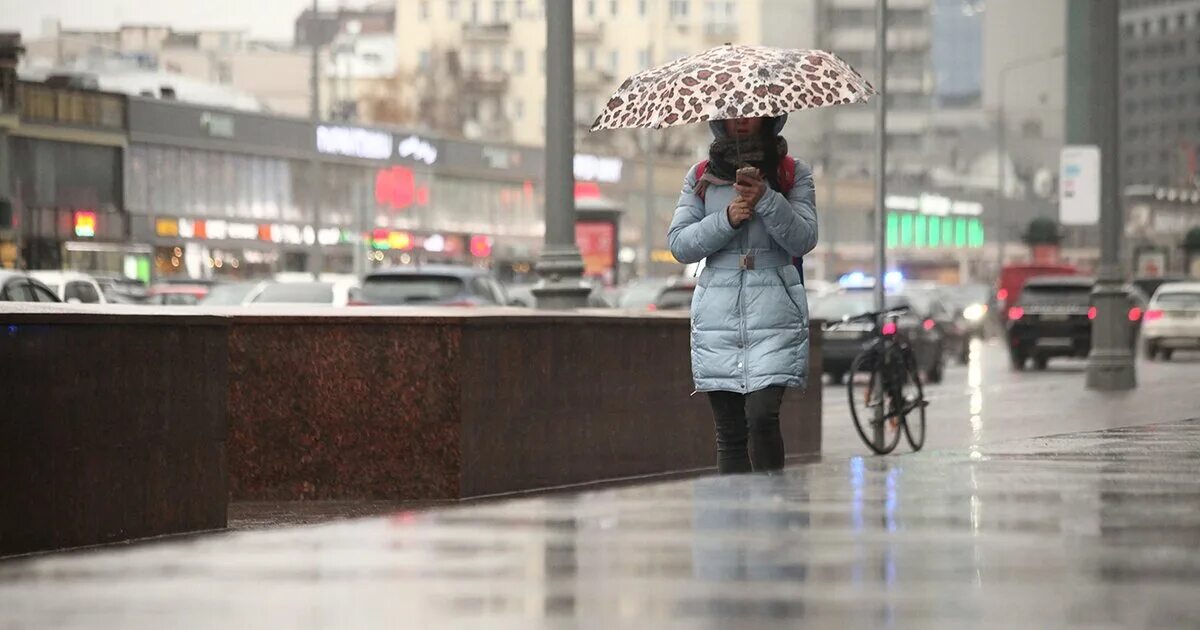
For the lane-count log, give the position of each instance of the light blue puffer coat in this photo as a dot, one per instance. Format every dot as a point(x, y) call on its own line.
point(749, 318)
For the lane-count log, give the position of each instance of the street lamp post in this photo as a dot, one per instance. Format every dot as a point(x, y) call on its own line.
point(560, 267)
point(1110, 364)
point(881, 20)
point(1002, 227)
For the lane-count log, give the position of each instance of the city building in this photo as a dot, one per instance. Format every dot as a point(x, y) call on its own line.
point(1160, 87)
point(215, 67)
point(847, 27)
point(957, 52)
point(478, 68)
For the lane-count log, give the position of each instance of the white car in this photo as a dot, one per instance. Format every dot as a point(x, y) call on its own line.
point(71, 286)
point(1172, 320)
point(329, 293)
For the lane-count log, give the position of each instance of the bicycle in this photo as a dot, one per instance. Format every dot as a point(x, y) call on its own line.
point(893, 399)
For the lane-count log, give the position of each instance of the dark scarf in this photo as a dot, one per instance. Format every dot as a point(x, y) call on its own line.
point(764, 152)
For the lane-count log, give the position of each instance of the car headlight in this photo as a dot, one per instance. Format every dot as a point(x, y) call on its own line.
point(975, 312)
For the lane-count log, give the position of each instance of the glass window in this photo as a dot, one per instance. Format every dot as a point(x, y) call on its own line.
point(168, 175)
point(497, 60)
point(136, 178)
point(410, 289)
point(424, 10)
point(591, 8)
point(453, 9)
point(519, 61)
point(40, 294)
point(185, 182)
point(614, 60)
point(498, 11)
point(81, 291)
point(17, 291)
point(296, 293)
point(612, 7)
point(679, 9)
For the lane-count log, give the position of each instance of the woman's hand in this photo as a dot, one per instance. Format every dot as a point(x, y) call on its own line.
point(739, 212)
point(750, 186)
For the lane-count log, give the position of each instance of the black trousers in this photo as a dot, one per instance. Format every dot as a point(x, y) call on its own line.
point(748, 436)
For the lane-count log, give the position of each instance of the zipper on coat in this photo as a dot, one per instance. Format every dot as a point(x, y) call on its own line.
point(744, 349)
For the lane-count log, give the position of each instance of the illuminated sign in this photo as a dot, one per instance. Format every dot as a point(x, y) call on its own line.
point(166, 227)
point(593, 168)
point(598, 247)
point(417, 148)
point(382, 238)
point(355, 142)
point(909, 230)
point(395, 187)
point(935, 205)
point(85, 224)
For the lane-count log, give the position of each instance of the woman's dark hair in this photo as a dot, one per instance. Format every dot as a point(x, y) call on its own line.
point(771, 158)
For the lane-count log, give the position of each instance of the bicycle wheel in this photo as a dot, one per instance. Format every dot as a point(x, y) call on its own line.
point(868, 405)
point(913, 406)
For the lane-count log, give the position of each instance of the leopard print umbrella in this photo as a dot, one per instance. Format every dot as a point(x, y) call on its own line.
point(733, 82)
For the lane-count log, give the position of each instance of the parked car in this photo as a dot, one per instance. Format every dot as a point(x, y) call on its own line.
point(232, 294)
point(121, 290)
point(431, 285)
point(16, 286)
point(843, 341)
point(71, 286)
point(655, 294)
point(176, 294)
point(302, 293)
point(937, 316)
point(1172, 320)
point(1052, 318)
point(1150, 286)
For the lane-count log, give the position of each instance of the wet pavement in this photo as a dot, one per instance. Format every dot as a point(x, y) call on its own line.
point(1089, 530)
point(985, 402)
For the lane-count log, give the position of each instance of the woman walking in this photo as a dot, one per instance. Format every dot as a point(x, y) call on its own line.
point(747, 211)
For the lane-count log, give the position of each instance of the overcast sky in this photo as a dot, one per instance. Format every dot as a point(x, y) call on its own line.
point(265, 19)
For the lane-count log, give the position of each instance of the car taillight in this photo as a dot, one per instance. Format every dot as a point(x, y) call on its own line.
point(928, 324)
point(1001, 295)
point(460, 303)
point(651, 307)
point(357, 303)
point(889, 329)
point(1135, 314)
point(1092, 313)
point(1016, 313)
point(1153, 315)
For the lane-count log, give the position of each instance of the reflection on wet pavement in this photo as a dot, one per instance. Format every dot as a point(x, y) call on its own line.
point(986, 402)
point(1091, 530)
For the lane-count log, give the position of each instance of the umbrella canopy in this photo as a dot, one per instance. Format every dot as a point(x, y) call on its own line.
point(733, 82)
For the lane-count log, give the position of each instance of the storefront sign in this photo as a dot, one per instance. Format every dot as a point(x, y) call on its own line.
point(166, 227)
point(329, 236)
point(597, 245)
point(1079, 191)
point(85, 224)
point(417, 148)
point(593, 168)
point(219, 125)
point(934, 205)
point(355, 142)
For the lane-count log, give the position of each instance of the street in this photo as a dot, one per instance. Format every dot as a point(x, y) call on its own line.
point(986, 402)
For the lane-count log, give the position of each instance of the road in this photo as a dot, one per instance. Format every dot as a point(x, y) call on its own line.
point(986, 402)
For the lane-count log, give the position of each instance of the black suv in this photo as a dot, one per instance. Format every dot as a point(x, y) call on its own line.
point(1052, 318)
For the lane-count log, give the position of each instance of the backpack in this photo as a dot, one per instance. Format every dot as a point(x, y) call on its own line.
point(787, 179)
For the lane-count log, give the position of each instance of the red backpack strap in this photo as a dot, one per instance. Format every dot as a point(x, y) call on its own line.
point(701, 167)
point(787, 174)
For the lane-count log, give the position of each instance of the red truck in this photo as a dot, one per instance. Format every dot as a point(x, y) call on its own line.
point(1013, 277)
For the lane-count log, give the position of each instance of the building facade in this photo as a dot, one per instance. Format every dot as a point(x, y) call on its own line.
point(1160, 84)
point(485, 60)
